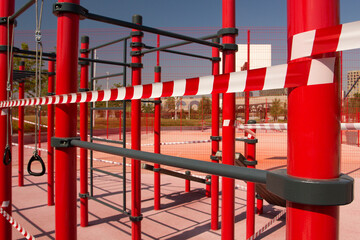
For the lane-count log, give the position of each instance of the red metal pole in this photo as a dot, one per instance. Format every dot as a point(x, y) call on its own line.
point(259, 204)
point(187, 182)
point(157, 131)
point(6, 9)
point(247, 94)
point(21, 130)
point(135, 137)
point(107, 124)
point(65, 124)
point(84, 85)
point(228, 184)
point(313, 128)
point(208, 186)
point(120, 113)
point(50, 134)
point(215, 144)
point(250, 194)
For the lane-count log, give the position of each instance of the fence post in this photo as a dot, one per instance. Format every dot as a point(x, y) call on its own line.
point(215, 144)
point(313, 128)
point(50, 133)
point(21, 129)
point(135, 133)
point(228, 129)
point(84, 85)
point(65, 124)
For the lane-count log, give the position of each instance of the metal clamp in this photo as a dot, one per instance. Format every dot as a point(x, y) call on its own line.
point(258, 197)
point(84, 50)
point(229, 46)
point(332, 192)
point(4, 20)
point(84, 195)
point(136, 34)
point(51, 73)
point(156, 169)
point(83, 90)
point(136, 65)
point(83, 63)
point(216, 59)
point(215, 138)
point(50, 94)
point(136, 44)
point(215, 158)
point(208, 180)
point(157, 69)
point(247, 140)
point(62, 142)
point(250, 163)
point(227, 31)
point(69, 8)
point(136, 218)
point(135, 53)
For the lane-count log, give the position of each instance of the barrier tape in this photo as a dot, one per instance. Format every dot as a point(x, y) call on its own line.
point(283, 126)
point(177, 143)
point(32, 123)
point(325, 40)
point(15, 224)
point(302, 73)
point(263, 229)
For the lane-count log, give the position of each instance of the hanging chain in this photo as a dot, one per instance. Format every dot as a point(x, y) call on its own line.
point(38, 62)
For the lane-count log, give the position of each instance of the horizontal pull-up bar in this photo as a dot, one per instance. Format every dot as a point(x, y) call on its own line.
point(177, 44)
point(253, 175)
point(149, 29)
point(181, 53)
point(21, 10)
point(108, 76)
point(109, 43)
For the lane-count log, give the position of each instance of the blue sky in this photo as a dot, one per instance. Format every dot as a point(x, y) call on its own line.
point(184, 13)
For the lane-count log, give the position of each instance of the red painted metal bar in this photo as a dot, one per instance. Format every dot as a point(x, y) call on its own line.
point(65, 124)
point(6, 9)
point(208, 186)
point(157, 131)
point(247, 94)
point(50, 134)
point(136, 138)
point(84, 84)
point(215, 114)
point(21, 130)
point(259, 205)
point(313, 128)
point(250, 193)
point(187, 182)
point(228, 129)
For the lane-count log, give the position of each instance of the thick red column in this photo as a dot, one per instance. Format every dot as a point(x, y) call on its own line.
point(228, 184)
point(6, 9)
point(65, 124)
point(215, 144)
point(84, 79)
point(135, 136)
point(157, 126)
point(50, 134)
point(250, 193)
point(313, 128)
point(21, 130)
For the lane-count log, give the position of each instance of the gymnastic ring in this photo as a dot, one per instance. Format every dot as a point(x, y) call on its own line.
point(7, 155)
point(36, 158)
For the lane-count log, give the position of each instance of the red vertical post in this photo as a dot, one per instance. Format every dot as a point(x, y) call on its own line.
point(6, 9)
point(259, 204)
point(50, 133)
point(187, 182)
point(21, 130)
point(228, 129)
point(208, 186)
point(215, 144)
point(107, 124)
point(250, 193)
point(65, 124)
point(247, 94)
point(84, 85)
point(157, 117)
point(120, 114)
point(315, 110)
point(135, 135)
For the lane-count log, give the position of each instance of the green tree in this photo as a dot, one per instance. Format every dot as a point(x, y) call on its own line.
point(276, 109)
point(170, 104)
point(147, 108)
point(205, 105)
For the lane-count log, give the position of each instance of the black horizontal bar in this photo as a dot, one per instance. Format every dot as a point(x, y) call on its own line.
point(108, 205)
point(182, 53)
point(177, 44)
point(106, 108)
point(104, 61)
point(106, 140)
point(247, 174)
point(121, 23)
point(22, 10)
point(52, 55)
point(109, 43)
point(108, 173)
point(108, 76)
point(32, 57)
point(176, 174)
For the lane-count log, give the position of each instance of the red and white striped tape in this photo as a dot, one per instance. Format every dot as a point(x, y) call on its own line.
point(177, 143)
point(307, 72)
point(32, 123)
point(283, 126)
point(325, 40)
point(14, 223)
point(263, 229)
